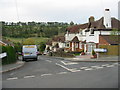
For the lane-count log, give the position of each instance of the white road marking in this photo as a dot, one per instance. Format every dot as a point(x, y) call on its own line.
point(46, 74)
point(98, 67)
point(105, 65)
point(63, 66)
point(48, 61)
point(12, 74)
point(62, 73)
point(110, 66)
point(75, 70)
point(88, 69)
point(115, 63)
point(12, 78)
point(29, 76)
point(68, 63)
point(83, 67)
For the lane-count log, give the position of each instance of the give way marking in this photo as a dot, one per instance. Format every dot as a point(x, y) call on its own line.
point(68, 63)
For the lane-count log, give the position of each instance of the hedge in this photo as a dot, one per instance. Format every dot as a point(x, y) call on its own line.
point(11, 55)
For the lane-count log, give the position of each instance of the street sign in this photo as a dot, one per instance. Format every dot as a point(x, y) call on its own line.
point(100, 50)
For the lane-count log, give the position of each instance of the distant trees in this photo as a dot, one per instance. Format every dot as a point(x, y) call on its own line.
point(71, 23)
point(33, 29)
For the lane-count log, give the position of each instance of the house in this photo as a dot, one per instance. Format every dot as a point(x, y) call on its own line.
point(5, 42)
point(87, 36)
point(57, 42)
point(2, 43)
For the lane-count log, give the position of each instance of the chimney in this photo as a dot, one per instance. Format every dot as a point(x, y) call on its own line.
point(107, 18)
point(91, 19)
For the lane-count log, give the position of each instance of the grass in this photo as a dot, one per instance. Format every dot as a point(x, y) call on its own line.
point(36, 39)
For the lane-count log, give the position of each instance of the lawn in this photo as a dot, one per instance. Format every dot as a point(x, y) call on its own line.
point(36, 39)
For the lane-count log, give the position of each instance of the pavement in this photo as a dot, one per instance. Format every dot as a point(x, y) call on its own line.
point(87, 58)
point(82, 58)
point(10, 67)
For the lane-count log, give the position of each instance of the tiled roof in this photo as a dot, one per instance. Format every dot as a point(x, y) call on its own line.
point(95, 24)
point(75, 39)
point(111, 39)
point(49, 42)
point(59, 39)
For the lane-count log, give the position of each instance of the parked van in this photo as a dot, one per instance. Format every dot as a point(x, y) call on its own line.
point(29, 52)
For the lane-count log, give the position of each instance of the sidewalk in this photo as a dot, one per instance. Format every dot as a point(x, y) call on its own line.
point(9, 67)
point(87, 58)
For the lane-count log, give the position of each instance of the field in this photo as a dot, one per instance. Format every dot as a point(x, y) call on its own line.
point(36, 39)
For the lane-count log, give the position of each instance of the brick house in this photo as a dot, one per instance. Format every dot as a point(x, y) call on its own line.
point(90, 33)
point(57, 42)
point(87, 36)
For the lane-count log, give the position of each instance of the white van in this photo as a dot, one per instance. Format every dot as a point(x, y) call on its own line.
point(29, 52)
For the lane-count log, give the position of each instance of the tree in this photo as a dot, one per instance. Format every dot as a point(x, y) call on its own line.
point(42, 47)
point(71, 23)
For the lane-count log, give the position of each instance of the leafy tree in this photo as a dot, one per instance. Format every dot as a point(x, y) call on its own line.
point(71, 23)
point(42, 47)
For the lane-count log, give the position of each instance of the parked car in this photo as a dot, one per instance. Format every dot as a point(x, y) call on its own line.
point(29, 52)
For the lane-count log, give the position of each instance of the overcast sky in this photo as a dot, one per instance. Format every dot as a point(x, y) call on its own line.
point(77, 11)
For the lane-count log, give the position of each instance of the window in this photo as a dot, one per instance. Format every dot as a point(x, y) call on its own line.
point(67, 45)
point(76, 45)
point(80, 45)
point(92, 31)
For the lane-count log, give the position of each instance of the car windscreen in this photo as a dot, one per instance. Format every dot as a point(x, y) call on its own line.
point(29, 50)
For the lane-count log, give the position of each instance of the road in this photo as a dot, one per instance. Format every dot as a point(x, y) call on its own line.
point(50, 72)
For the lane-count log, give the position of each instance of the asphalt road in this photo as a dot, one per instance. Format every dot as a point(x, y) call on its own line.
point(50, 72)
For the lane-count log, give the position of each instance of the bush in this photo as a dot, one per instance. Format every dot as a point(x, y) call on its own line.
point(11, 55)
point(42, 47)
point(93, 52)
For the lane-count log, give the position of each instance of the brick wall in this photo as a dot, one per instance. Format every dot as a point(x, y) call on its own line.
point(102, 41)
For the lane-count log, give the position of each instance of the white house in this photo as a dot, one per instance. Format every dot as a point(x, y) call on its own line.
point(89, 33)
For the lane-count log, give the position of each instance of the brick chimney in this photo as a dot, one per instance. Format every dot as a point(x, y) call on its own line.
point(91, 19)
point(107, 18)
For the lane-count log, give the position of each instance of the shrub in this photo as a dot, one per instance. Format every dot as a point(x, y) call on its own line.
point(93, 52)
point(11, 55)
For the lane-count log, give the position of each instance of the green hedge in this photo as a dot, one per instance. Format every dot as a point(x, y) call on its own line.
point(11, 55)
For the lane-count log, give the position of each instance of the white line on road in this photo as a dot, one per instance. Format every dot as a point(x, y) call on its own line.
point(83, 67)
point(105, 65)
point(29, 76)
point(75, 70)
point(98, 67)
point(46, 74)
point(63, 66)
point(12, 78)
point(48, 61)
point(62, 73)
point(110, 66)
point(88, 69)
point(115, 63)
point(68, 63)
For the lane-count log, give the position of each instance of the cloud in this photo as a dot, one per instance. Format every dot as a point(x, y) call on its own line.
point(55, 10)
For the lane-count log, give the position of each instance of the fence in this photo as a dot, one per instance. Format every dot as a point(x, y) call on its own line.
point(111, 49)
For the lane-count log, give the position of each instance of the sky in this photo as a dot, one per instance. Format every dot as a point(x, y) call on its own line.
point(77, 11)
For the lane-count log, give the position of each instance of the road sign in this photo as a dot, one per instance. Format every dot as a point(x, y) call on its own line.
point(100, 50)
